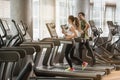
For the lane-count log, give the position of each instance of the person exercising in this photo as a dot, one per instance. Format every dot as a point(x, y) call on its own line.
point(70, 34)
point(84, 27)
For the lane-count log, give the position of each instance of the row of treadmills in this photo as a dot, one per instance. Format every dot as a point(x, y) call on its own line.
point(24, 59)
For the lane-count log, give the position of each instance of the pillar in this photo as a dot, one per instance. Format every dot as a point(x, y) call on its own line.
point(83, 6)
point(22, 10)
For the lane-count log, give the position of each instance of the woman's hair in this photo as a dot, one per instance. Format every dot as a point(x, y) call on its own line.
point(71, 17)
point(76, 22)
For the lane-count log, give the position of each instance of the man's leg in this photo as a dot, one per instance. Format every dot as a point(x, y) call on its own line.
point(90, 51)
point(80, 49)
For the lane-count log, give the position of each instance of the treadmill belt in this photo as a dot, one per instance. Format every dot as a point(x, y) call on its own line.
point(63, 73)
point(90, 73)
point(58, 78)
point(96, 67)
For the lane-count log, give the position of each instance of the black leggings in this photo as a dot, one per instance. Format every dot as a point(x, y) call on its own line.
point(90, 51)
point(69, 54)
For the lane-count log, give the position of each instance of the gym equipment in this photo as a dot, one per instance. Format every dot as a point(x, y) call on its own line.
point(51, 28)
point(24, 66)
point(52, 78)
point(101, 44)
point(40, 71)
point(7, 57)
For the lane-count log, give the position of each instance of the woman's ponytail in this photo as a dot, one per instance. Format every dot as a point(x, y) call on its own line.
point(76, 21)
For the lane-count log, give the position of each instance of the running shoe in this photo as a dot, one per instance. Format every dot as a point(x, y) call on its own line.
point(84, 65)
point(69, 69)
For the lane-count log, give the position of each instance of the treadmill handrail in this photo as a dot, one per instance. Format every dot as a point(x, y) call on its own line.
point(41, 44)
point(21, 52)
point(26, 50)
point(3, 29)
point(9, 56)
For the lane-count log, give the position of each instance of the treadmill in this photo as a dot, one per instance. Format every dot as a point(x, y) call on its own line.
point(8, 68)
point(59, 78)
point(25, 53)
point(44, 70)
point(52, 31)
point(48, 71)
point(78, 67)
point(18, 40)
point(60, 72)
point(7, 57)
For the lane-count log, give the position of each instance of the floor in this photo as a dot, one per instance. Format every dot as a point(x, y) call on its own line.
point(115, 75)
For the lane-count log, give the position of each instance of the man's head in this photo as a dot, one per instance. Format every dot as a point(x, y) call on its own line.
point(81, 15)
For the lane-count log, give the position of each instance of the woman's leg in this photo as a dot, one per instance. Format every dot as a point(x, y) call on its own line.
point(67, 52)
point(73, 57)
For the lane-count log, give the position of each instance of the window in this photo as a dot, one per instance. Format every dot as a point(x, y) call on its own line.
point(101, 11)
point(64, 8)
point(4, 9)
point(47, 11)
point(43, 12)
point(117, 18)
point(91, 10)
point(36, 23)
point(61, 14)
point(72, 7)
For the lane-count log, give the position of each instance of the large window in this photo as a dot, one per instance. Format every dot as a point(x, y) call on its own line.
point(46, 11)
point(61, 14)
point(4, 8)
point(43, 12)
point(117, 17)
point(103, 10)
point(64, 8)
point(36, 24)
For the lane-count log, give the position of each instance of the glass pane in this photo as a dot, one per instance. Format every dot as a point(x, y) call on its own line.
point(5, 9)
point(36, 19)
point(100, 13)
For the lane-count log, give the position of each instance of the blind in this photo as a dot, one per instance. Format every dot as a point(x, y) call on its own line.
point(4, 8)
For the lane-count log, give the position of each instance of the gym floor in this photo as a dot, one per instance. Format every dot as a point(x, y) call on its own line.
point(115, 75)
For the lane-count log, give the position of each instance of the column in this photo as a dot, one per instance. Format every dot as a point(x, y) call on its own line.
point(22, 10)
point(83, 6)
